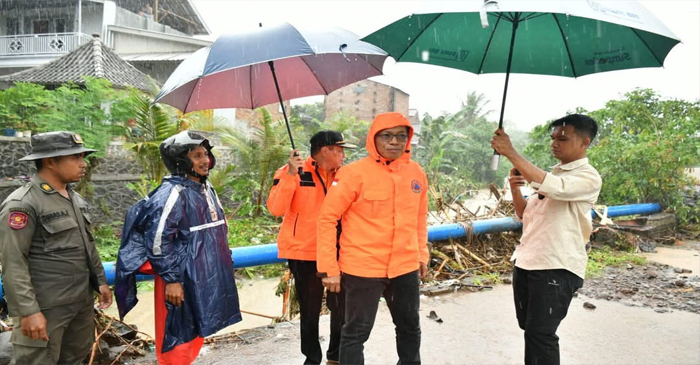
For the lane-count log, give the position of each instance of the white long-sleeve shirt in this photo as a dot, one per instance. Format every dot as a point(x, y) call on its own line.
point(557, 227)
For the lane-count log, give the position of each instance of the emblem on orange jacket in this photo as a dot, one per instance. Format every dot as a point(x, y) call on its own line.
point(415, 186)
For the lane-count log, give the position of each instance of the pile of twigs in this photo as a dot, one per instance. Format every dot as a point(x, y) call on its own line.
point(111, 332)
point(474, 254)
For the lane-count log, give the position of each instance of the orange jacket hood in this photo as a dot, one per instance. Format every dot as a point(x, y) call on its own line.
point(386, 121)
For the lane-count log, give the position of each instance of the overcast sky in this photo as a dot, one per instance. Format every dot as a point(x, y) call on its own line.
point(532, 99)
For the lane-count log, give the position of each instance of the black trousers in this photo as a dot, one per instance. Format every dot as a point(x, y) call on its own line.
point(361, 303)
point(542, 299)
point(310, 293)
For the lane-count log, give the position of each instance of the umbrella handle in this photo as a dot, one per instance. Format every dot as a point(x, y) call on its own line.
point(482, 12)
point(301, 171)
point(494, 160)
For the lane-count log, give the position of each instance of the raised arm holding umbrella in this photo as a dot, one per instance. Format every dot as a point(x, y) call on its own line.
point(268, 65)
point(562, 38)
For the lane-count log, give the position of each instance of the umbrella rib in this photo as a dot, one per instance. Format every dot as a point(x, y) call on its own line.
point(534, 16)
point(418, 36)
point(646, 45)
point(250, 82)
point(566, 44)
point(488, 45)
point(315, 76)
point(190, 97)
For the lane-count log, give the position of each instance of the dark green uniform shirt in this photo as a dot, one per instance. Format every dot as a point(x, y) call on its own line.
point(48, 255)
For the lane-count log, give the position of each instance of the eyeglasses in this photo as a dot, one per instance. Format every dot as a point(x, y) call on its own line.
point(387, 137)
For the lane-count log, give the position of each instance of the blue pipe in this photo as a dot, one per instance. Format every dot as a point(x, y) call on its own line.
point(632, 209)
point(242, 257)
point(267, 254)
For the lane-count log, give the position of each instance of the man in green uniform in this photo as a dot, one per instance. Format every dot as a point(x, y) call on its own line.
point(49, 259)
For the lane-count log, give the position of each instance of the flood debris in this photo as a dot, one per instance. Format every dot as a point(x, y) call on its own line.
point(589, 305)
point(434, 317)
point(116, 341)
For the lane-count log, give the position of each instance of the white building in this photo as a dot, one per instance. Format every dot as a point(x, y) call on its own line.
point(152, 35)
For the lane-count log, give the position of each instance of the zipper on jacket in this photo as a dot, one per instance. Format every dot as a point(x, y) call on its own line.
point(294, 234)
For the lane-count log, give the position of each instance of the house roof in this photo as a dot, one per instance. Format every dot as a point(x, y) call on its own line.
point(93, 59)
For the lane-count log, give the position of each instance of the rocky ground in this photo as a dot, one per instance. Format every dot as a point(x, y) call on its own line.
point(658, 286)
point(627, 301)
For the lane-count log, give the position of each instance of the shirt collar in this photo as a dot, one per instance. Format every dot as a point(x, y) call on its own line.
point(573, 164)
point(44, 186)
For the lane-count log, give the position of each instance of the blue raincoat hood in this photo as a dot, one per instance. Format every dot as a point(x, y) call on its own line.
point(185, 241)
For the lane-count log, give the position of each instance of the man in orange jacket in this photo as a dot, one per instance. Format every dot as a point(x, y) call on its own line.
point(298, 198)
point(383, 202)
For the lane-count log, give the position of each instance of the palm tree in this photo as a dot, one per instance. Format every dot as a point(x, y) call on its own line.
point(148, 128)
point(260, 153)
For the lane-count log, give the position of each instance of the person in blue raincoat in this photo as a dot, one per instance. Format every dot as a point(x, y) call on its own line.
point(179, 233)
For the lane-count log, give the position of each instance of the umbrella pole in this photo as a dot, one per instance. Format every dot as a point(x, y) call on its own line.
point(496, 156)
point(279, 95)
point(284, 111)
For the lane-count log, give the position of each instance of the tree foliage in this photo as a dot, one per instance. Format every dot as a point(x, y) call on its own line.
point(644, 144)
point(260, 155)
point(454, 149)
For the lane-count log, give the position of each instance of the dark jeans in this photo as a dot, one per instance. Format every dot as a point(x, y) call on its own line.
point(542, 299)
point(361, 303)
point(310, 293)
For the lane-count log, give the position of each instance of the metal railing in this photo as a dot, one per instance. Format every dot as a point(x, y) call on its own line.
point(41, 44)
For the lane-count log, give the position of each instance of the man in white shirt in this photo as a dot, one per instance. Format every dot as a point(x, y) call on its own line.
point(550, 262)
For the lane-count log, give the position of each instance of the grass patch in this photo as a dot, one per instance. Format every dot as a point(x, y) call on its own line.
point(106, 240)
point(599, 259)
point(251, 232)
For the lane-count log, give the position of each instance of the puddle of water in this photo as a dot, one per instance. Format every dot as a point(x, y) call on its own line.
point(256, 295)
point(677, 257)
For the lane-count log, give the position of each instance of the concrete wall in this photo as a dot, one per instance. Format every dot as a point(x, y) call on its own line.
point(130, 19)
point(124, 43)
point(365, 99)
point(92, 18)
point(160, 70)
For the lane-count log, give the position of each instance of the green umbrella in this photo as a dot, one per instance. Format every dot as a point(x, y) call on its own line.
point(564, 38)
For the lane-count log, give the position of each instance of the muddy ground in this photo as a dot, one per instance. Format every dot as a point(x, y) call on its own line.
point(645, 314)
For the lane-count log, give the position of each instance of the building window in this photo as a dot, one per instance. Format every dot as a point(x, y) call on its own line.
point(60, 26)
point(40, 26)
point(13, 26)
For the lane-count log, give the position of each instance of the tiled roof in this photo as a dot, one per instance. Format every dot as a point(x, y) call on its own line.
point(94, 59)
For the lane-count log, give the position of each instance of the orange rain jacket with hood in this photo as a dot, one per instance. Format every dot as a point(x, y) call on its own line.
point(298, 199)
point(384, 208)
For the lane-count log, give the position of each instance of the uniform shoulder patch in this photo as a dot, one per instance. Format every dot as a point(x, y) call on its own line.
point(416, 187)
point(17, 219)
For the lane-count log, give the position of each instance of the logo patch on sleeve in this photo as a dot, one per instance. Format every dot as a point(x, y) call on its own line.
point(415, 186)
point(18, 220)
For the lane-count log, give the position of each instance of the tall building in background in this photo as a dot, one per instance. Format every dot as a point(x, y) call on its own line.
point(365, 99)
